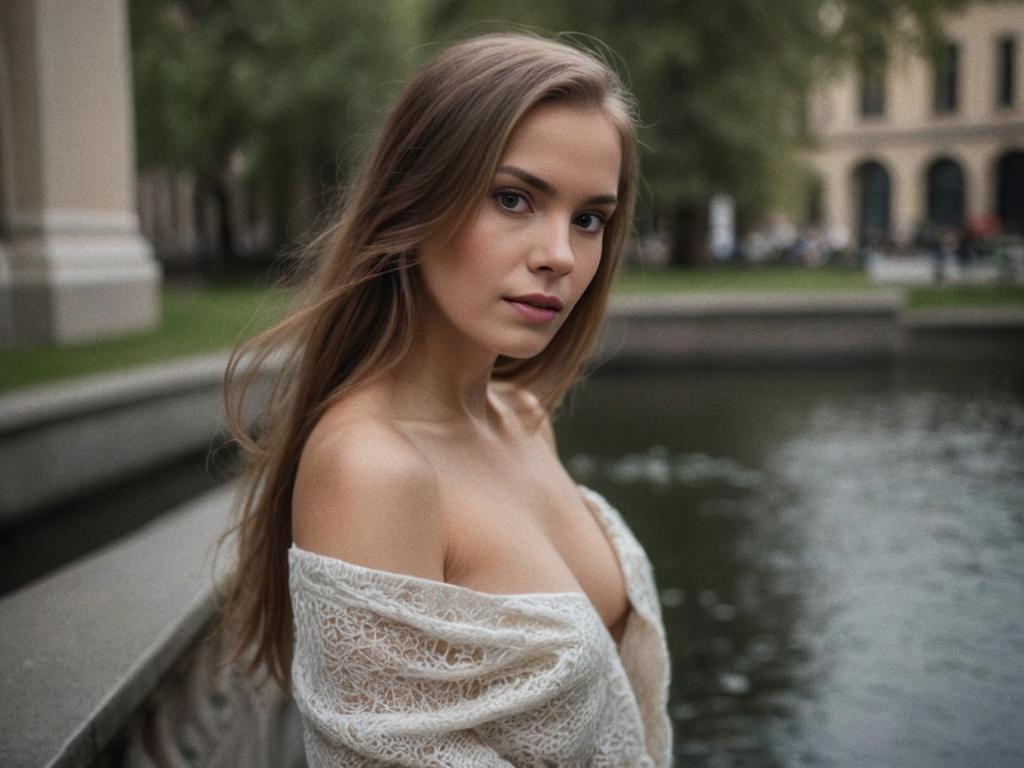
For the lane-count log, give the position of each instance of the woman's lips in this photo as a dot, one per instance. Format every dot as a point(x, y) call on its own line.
point(532, 312)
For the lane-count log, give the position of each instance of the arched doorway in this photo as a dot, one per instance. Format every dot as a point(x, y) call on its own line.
point(946, 194)
point(1010, 191)
point(873, 196)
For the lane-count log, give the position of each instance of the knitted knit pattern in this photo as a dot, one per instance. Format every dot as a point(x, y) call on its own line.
point(395, 670)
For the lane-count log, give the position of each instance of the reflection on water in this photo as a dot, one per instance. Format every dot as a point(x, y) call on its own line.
point(840, 555)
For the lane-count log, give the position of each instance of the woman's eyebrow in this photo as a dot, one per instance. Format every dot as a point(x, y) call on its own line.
point(543, 186)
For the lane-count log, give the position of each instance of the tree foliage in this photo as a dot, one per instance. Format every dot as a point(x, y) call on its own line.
point(282, 88)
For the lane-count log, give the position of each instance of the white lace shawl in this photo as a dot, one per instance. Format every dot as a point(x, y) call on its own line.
point(392, 669)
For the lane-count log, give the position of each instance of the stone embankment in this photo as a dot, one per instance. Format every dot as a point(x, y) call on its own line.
point(824, 328)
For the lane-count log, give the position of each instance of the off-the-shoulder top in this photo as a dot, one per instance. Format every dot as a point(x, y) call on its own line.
point(391, 669)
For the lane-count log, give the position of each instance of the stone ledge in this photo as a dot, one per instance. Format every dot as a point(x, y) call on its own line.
point(742, 328)
point(966, 317)
point(712, 303)
point(56, 402)
point(82, 648)
point(965, 335)
point(60, 441)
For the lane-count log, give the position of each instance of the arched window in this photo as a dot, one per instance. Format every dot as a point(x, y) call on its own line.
point(1010, 191)
point(873, 194)
point(947, 79)
point(872, 88)
point(815, 201)
point(946, 194)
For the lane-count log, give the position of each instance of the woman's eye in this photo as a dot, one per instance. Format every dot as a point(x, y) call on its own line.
point(511, 201)
point(590, 222)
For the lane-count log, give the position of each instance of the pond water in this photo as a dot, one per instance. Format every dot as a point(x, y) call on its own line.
point(840, 555)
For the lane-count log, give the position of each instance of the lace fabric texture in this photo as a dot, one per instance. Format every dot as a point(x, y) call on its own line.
point(395, 670)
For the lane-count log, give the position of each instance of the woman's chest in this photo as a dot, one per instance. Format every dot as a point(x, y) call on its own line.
point(515, 533)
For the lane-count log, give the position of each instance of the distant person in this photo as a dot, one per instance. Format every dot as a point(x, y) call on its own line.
point(413, 559)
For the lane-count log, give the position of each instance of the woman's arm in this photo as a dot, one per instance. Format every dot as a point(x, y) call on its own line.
point(366, 496)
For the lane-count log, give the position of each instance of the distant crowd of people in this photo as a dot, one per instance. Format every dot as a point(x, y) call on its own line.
point(778, 240)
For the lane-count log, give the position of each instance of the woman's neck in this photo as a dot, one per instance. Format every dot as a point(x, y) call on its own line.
point(442, 379)
point(426, 391)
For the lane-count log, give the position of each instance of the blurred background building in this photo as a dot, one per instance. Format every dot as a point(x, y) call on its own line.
point(910, 150)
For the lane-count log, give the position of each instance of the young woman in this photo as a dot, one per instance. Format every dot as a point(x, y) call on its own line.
point(413, 559)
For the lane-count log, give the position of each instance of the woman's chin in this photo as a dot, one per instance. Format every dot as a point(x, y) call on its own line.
point(525, 350)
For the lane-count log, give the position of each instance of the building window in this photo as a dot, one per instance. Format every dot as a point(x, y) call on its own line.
point(872, 185)
point(1010, 191)
point(946, 194)
point(1006, 56)
point(872, 89)
point(946, 79)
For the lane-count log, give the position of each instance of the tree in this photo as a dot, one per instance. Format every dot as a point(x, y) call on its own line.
point(276, 85)
point(721, 86)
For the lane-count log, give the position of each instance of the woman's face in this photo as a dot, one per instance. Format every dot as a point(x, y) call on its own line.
point(506, 281)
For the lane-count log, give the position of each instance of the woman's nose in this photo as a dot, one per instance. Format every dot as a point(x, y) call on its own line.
point(553, 250)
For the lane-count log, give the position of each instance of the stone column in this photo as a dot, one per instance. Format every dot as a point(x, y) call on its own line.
point(6, 186)
point(907, 194)
point(78, 266)
point(840, 195)
point(6, 319)
point(980, 186)
point(845, 209)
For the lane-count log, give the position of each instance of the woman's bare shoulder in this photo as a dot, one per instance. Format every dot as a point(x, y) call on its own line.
point(365, 493)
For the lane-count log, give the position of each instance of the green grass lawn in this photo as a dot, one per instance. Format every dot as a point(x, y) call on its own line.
point(194, 321)
point(216, 317)
point(926, 297)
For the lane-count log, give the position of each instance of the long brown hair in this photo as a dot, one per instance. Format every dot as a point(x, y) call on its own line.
point(432, 163)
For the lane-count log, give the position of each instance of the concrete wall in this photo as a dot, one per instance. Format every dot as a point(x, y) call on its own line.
point(59, 442)
point(753, 329)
